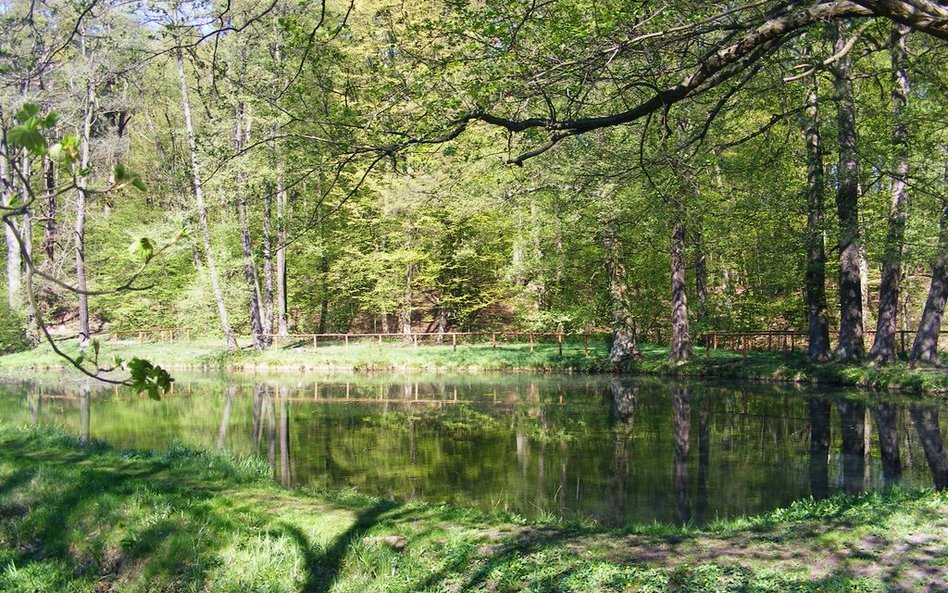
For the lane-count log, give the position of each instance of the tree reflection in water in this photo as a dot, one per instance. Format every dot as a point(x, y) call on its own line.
point(614, 449)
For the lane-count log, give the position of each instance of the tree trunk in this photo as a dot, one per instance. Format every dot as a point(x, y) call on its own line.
point(701, 276)
point(817, 322)
point(624, 347)
point(884, 348)
point(197, 187)
point(404, 315)
point(246, 247)
point(681, 341)
point(925, 348)
point(80, 228)
point(281, 298)
point(9, 234)
point(324, 300)
point(266, 310)
point(850, 345)
point(50, 230)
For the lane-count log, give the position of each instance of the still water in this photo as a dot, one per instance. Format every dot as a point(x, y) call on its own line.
point(618, 450)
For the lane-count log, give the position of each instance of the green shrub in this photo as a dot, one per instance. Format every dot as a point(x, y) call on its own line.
point(13, 336)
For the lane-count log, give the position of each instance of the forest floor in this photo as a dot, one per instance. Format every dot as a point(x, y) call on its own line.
point(544, 357)
point(90, 518)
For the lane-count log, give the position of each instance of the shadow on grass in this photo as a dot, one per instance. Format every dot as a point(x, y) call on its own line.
point(322, 570)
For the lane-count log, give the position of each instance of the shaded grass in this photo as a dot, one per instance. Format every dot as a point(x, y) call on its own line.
point(93, 518)
point(545, 357)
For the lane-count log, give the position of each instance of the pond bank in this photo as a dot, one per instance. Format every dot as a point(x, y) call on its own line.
point(544, 357)
point(189, 520)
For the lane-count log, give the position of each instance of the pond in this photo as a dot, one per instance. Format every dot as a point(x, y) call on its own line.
point(617, 450)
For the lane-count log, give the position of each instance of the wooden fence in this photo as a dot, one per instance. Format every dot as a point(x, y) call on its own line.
point(170, 334)
point(788, 341)
point(744, 342)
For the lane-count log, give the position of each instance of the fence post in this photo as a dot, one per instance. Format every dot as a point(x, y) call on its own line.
point(454, 341)
point(559, 340)
point(347, 341)
point(902, 339)
point(585, 344)
point(315, 346)
point(531, 341)
point(414, 340)
point(493, 340)
point(792, 343)
point(770, 342)
point(380, 339)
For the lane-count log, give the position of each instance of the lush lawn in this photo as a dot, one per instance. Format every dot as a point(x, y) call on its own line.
point(90, 518)
point(369, 355)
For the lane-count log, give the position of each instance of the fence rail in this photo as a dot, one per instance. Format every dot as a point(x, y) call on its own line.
point(169, 334)
point(787, 340)
point(744, 342)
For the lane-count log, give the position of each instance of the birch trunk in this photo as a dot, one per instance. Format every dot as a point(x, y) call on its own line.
point(198, 190)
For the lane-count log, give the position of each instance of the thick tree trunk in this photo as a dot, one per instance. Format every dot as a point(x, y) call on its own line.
point(681, 340)
point(817, 322)
point(198, 189)
point(624, 345)
point(850, 345)
point(80, 228)
point(246, 246)
point(925, 348)
point(884, 348)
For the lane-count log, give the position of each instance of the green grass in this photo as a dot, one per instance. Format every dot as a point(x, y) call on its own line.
point(371, 356)
point(93, 518)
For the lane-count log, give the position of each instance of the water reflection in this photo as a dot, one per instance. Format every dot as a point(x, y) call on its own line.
point(619, 450)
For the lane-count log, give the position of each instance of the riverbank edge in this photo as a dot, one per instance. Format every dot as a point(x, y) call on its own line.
point(45, 473)
point(758, 366)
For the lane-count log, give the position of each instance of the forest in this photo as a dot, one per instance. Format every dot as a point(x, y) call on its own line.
point(658, 171)
point(312, 296)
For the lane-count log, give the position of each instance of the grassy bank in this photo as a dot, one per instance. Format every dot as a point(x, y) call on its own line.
point(369, 356)
point(91, 518)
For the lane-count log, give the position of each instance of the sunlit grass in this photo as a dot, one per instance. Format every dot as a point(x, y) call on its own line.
point(369, 355)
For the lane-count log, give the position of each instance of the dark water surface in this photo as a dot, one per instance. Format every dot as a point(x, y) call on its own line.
point(629, 450)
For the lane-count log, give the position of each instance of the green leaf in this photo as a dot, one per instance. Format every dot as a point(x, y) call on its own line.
point(52, 118)
point(138, 184)
point(27, 112)
point(28, 138)
point(148, 377)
